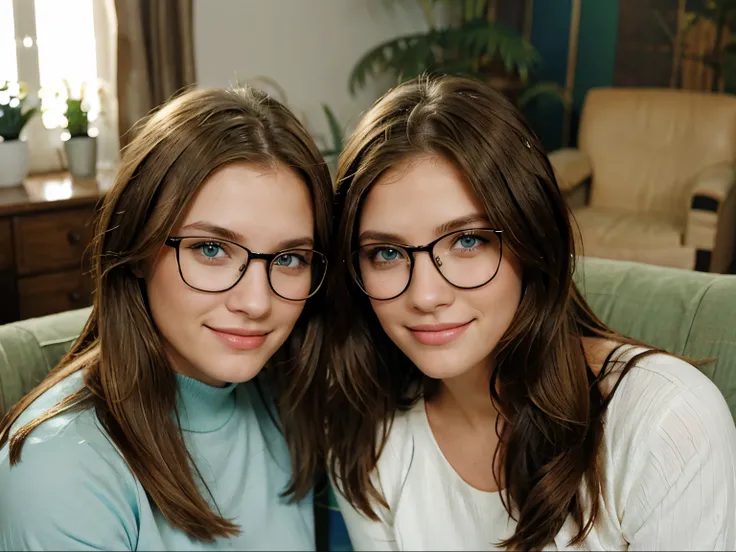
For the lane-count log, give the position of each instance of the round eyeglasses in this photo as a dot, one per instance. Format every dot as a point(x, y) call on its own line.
point(466, 259)
point(217, 265)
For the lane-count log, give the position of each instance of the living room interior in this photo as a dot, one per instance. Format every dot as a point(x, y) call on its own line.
point(634, 101)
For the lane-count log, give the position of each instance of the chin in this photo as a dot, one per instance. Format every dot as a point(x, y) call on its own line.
point(442, 364)
point(222, 376)
point(238, 370)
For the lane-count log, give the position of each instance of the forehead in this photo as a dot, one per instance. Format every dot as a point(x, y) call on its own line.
point(254, 201)
point(418, 194)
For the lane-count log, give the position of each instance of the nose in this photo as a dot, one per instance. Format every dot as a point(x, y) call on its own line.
point(252, 294)
point(428, 290)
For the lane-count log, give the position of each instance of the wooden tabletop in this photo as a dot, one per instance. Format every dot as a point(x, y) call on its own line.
point(42, 192)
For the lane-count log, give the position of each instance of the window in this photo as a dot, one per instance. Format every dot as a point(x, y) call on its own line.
point(8, 61)
point(52, 44)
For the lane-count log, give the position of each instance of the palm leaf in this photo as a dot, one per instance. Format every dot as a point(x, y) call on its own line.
point(335, 129)
point(469, 46)
point(387, 56)
point(533, 91)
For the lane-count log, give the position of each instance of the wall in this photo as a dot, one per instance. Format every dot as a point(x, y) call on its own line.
point(594, 61)
point(308, 46)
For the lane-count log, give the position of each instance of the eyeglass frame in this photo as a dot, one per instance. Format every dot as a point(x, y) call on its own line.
point(412, 250)
point(175, 241)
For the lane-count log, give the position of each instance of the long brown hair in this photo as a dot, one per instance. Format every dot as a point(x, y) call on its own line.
point(127, 378)
point(541, 383)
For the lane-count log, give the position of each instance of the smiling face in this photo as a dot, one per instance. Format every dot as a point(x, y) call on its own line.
point(444, 330)
point(228, 337)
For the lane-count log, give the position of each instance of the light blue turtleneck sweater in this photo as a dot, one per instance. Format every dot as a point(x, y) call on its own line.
point(72, 490)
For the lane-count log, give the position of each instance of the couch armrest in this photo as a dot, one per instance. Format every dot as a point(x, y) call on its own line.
point(711, 221)
point(572, 167)
point(712, 187)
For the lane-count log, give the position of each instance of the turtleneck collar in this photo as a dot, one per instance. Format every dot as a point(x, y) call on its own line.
point(203, 408)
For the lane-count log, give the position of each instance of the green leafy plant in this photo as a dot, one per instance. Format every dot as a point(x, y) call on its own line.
point(336, 134)
point(77, 118)
point(66, 109)
point(474, 45)
point(13, 115)
point(76, 115)
point(331, 152)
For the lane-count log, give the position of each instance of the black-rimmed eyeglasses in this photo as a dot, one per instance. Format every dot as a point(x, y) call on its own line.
point(216, 265)
point(466, 259)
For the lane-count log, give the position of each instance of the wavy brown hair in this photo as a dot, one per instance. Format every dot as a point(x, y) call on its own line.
point(127, 379)
point(541, 384)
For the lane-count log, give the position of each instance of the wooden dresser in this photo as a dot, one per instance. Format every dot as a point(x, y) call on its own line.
point(46, 226)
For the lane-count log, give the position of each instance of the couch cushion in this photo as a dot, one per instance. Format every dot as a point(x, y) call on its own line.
point(30, 348)
point(622, 236)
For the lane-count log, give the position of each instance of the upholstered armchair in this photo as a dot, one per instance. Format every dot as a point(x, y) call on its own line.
point(652, 179)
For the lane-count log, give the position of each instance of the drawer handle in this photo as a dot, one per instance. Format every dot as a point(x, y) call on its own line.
point(75, 297)
point(73, 237)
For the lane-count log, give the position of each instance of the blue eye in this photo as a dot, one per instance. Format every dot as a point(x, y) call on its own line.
point(468, 241)
point(210, 249)
point(290, 260)
point(388, 255)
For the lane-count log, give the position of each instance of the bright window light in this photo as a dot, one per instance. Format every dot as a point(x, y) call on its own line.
point(8, 59)
point(65, 37)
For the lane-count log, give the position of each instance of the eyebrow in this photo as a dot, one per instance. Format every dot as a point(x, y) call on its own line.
point(441, 230)
point(227, 234)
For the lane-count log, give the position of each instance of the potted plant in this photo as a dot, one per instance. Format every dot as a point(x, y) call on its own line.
point(472, 44)
point(14, 115)
point(71, 112)
point(80, 148)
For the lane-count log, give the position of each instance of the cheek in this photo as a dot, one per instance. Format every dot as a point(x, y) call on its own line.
point(287, 313)
point(389, 313)
point(500, 299)
point(171, 301)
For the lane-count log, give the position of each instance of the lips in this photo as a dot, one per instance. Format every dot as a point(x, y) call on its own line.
point(238, 331)
point(240, 339)
point(438, 334)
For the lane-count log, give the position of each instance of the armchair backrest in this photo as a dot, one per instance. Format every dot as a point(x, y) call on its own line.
point(647, 145)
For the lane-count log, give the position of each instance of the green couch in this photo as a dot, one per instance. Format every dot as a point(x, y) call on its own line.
point(688, 313)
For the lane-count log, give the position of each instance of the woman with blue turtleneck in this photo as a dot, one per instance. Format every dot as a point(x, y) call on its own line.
point(182, 418)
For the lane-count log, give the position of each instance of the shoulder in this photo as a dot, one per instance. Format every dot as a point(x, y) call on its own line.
point(670, 452)
point(70, 483)
point(666, 414)
point(658, 386)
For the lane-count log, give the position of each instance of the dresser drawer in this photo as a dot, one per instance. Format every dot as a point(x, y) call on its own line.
point(50, 293)
point(6, 244)
point(52, 241)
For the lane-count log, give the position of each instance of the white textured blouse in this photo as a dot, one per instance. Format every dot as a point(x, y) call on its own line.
point(668, 458)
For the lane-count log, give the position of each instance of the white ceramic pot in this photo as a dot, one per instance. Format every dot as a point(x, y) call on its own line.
point(13, 162)
point(81, 156)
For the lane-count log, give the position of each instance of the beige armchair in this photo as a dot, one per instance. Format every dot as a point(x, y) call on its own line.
point(652, 179)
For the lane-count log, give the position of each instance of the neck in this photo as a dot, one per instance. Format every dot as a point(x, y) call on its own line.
point(468, 397)
point(203, 408)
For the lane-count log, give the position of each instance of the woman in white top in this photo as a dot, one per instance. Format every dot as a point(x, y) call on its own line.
point(477, 402)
